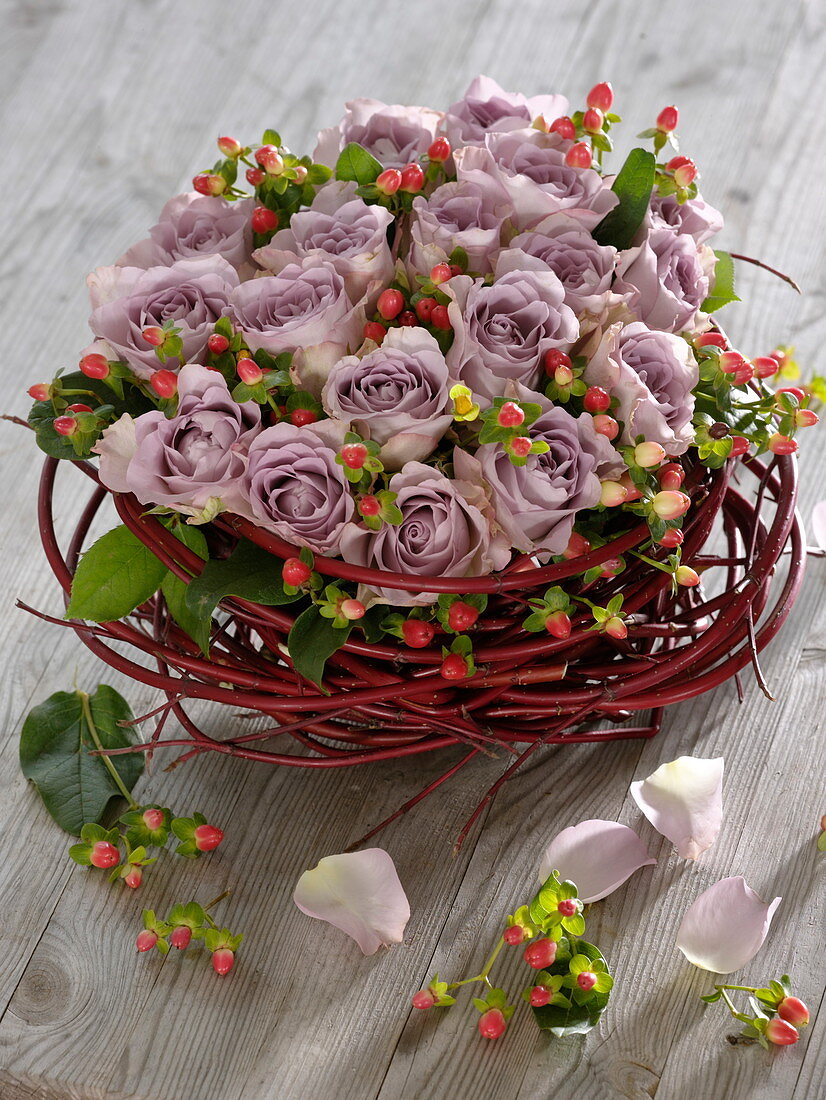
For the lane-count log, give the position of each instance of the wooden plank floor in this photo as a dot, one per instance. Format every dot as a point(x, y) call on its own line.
point(107, 108)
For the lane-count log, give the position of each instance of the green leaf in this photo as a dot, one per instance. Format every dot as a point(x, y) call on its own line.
point(821, 842)
point(249, 573)
point(312, 640)
point(114, 576)
point(174, 590)
point(54, 754)
point(633, 186)
point(722, 292)
point(355, 163)
point(573, 1019)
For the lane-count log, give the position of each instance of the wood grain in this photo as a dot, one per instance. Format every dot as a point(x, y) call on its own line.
point(106, 110)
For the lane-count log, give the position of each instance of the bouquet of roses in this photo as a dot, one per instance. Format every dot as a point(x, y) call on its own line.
point(446, 345)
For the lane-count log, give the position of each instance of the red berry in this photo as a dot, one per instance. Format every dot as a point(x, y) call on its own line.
point(79, 408)
point(795, 391)
point(40, 391)
point(264, 220)
point(514, 936)
point(567, 907)
point(439, 318)
point(564, 126)
point(711, 340)
point(146, 940)
point(554, 359)
point(558, 625)
point(492, 1024)
point(424, 308)
point(578, 156)
point(389, 181)
point(739, 446)
point(778, 444)
point(586, 980)
point(539, 996)
point(596, 399)
point(249, 371)
point(439, 150)
point(104, 854)
point(606, 425)
point(95, 366)
point(255, 176)
point(223, 960)
point(354, 455)
point(154, 336)
point(369, 505)
point(765, 366)
point(295, 572)
point(417, 633)
point(577, 546)
point(65, 425)
point(806, 418)
point(744, 375)
point(270, 159)
point(374, 331)
point(616, 628)
point(454, 667)
point(229, 146)
point(209, 183)
point(611, 567)
point(440, 274)
point(521, 446)
point(412, 178)
point(181, 936)
point(133, 877)
point(601, 96)
point(217, 343)
point(686, 576)
point(781, 1033)
point(684, 170)
point(672, 537)
point(592, 120)
point(510, 415)
point(302, 417)
point(207, 837)
point(671, 475)
point(455, 269)
point(153, 818)
point(670, 504)
point(352, 609)
point(390, 304)
point(540, 953)
point(667, 120)
point(424, 999)
point(408, 319)
point(731, 361)
point(461, 616)
point(649, 454)
point(793, 1011)
point(612, 494)
point(164, 383)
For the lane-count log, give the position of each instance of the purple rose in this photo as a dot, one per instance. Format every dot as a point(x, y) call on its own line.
point(697, 218)
point(531, 167)
point(446, 530)
point(304, 309)
point(652, 374)
point(665, 279)
point(485, 108)
point(536, 504)
point(294, 487)
point(342, 229)
point(396, 395)
point(192, 294)
point(466, 215)
point(395, 135)
point(190, 461)
point(193, 225)
point(585, 268)
point(503, 330)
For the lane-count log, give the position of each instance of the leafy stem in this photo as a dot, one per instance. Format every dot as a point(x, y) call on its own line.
point(113, 771)
point(482, 976)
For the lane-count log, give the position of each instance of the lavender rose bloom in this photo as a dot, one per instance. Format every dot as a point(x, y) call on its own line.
point(395, 135)
point(466, 215)
point(502, 331)
point(652, 374)
point(665, 279)
point(193, 225)
point(487, 108)
point(189, 461)
point(695, 216)
point(342, 229)
point(585, 268)
point(294, 487)
point(446, 530)
point(191, 293)
point(536, 504)
point(304, 309)
point(531, 167)
point(396, 395)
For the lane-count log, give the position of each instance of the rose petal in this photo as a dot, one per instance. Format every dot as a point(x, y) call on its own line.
point(597, 855)
point(358, 892)
point(725, 927)
point(819, 524)
point(683, 800)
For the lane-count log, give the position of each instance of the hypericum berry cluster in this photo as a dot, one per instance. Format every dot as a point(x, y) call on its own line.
point(570, 984)
point(187, 925)
point(776, 1014)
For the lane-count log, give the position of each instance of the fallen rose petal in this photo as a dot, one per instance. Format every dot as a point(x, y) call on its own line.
point(596, 855)
point(725, 927)
point(358, 892)
point(819, 524)
point(683, 800)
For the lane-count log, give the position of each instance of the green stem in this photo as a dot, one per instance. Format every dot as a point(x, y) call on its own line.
point(113, 771)
point(744, 988)
point(482, 976)
point(650, 561)
point(215, 901)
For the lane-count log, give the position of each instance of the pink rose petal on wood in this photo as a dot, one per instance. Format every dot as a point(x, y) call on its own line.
point(683, 800)
point(358, 892)
point(597, 855)
point(725, 927)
